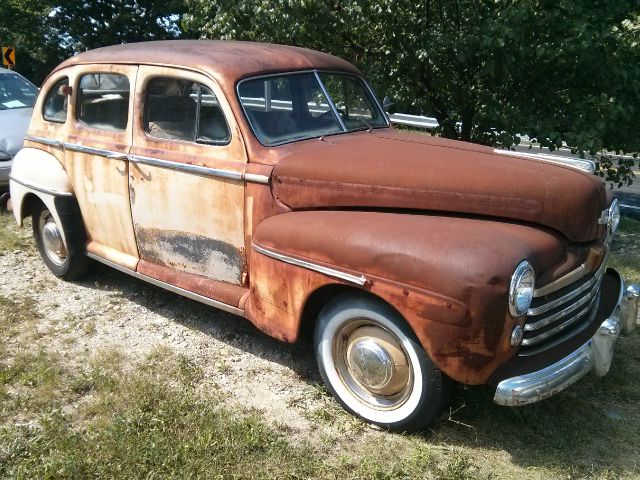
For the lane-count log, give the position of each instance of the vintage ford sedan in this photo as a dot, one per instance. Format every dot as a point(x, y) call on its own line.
point(267, 181)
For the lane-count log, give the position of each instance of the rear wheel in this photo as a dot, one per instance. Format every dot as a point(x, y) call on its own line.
point(375, 367)
point(64, 262)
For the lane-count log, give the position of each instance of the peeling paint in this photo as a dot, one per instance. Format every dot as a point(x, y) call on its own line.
point(191, 253)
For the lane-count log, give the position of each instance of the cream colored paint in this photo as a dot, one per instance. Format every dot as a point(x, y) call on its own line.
point(101, 185)
point(197, 206)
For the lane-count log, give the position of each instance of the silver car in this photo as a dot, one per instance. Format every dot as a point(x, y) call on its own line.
point(17, 96)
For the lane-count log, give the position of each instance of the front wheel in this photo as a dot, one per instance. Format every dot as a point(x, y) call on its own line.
point(375, 367)
point(64, 262)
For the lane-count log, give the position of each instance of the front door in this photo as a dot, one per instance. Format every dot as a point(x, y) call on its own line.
point(96, 148)
point(187, 192)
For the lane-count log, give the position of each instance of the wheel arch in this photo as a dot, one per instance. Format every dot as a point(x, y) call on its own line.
point(318, 298)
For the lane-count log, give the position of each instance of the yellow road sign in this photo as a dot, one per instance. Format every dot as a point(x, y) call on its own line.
point(8, 56)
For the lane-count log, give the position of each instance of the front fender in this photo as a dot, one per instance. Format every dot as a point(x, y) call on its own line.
point(37, 174)
point(447, 276)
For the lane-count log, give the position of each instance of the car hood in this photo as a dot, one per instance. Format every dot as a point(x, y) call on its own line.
point(13, 127)
point(387, 169)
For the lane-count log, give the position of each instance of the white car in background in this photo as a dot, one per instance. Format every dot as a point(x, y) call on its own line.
point(17, 96)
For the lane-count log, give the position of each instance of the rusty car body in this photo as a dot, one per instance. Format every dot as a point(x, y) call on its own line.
point(266, 180)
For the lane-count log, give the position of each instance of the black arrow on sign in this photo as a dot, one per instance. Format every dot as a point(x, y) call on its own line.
point(7, 56)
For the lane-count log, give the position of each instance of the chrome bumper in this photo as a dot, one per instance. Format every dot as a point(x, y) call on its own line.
point(595, 355)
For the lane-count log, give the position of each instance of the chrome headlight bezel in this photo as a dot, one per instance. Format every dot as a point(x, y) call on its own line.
point(614, 215)
point(522, 287)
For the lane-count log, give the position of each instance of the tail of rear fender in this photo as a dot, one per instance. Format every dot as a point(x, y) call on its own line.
point(37, 175)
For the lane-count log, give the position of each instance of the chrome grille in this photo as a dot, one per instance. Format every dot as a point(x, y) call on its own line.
point(566, 310)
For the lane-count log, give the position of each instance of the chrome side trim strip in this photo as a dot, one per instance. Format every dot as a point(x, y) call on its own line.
point(167, 286)
point(572, 294)
point(213, 172)
point(361, 280)
point(76, 147)
point(156, 162)
point(44, 141)
point(579, 164)
point(256, 178)
point(40, 188)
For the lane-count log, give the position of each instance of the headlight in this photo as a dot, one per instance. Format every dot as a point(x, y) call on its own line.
point(614, 215)
point(523, 283)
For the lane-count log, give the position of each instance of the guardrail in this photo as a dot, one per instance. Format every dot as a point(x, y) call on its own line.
point(417, 121)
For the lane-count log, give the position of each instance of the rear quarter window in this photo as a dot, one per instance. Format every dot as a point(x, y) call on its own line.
point(103, 101)
point(55, 103)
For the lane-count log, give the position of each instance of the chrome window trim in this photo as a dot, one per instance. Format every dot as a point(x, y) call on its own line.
point(330, 101)
point(76, 147)
point(213, 172)
point(314, 71)
point(357, 280)
point(167, 286)
point(43, 141)
point(40, 188)
point(572, 294)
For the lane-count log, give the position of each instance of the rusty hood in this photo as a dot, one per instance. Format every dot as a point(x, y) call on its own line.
point(387, 169)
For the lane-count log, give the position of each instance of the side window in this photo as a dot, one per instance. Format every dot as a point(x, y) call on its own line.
point(55, 103)
point(103, 101)
point(177, 109)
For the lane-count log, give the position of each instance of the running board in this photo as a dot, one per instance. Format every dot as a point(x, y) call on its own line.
point(172, 288)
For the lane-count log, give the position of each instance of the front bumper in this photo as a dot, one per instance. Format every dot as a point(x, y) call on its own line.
point(595, 355)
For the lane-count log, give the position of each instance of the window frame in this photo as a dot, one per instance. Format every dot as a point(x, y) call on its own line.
point(143, 106)
point(316, 72)
point(46, 97)
point(76, 104)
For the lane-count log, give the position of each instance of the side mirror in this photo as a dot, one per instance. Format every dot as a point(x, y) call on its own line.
point(387, 104)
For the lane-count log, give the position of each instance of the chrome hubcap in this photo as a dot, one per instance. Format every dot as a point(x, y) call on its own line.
point(369, 363)
point(373, 365)
point(52, 241)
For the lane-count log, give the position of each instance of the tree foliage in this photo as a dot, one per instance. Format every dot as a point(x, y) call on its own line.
point(46, 32)
point(564, 72)
point(87, 24)
point(24, 26)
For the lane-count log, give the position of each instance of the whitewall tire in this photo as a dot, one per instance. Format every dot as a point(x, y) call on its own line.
point(374, 365)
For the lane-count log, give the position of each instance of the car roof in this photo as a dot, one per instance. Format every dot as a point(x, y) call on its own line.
point(226, 61)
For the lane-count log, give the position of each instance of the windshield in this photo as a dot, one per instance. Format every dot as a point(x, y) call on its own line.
point(290, 107)
point(16, 92)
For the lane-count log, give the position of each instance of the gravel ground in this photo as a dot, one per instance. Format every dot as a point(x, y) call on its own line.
point(108, 309)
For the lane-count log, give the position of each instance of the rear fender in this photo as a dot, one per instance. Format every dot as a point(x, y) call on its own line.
point(37, 176)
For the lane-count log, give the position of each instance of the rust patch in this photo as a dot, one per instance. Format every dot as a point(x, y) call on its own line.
point(191, 253)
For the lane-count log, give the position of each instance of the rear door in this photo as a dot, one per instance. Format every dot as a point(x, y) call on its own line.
point(98, 141)
point(187, 191)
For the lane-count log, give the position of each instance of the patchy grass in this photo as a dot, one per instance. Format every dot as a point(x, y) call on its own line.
point(13, 238)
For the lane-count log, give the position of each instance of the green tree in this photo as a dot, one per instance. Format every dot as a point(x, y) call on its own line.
point(24, 26)
point(561, 71)
point(87, 24)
